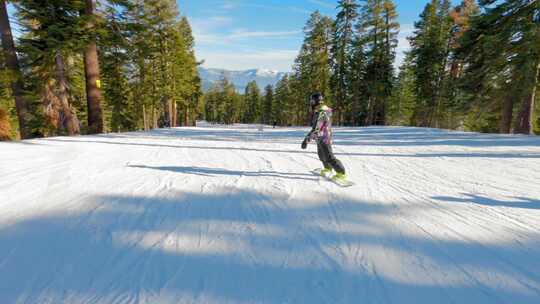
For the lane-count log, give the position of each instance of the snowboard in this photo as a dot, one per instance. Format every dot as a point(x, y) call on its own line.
point(341, 183)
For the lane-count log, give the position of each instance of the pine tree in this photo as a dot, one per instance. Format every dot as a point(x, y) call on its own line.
point(342, 56)
point(312, 66)
point(282, 102)
point(12, 63)
point(430, 51)
point(298, 108)
point(115, 59)
point(379, 30)
point(357, 114)
point(92, 73)
point(403, 99)
point(167, 83)
point(526, 17)
point(267, 117)
point(6, 101)
point(222, 103)
point(502, 56)
point(189, 87)
point(53, 42)
point(453, 101)
point(5, 126)
point(252, 99)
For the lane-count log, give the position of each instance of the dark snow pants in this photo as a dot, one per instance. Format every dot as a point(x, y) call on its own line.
point(329, 160)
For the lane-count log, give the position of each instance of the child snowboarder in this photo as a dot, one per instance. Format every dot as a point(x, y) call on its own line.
point(321, 131)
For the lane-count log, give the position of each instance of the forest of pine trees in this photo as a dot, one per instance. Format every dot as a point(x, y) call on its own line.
point(130, 65)
point(85, 67)
point(474, 66)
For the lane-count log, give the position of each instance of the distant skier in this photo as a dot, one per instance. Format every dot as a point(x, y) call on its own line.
point(321, 131)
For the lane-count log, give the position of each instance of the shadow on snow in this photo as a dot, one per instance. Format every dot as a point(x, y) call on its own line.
point(518, 202)
point(372, 136)
point(102, 255)
point(217, 172)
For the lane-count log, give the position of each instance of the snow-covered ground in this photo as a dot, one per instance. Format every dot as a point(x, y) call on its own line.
point(233, 215)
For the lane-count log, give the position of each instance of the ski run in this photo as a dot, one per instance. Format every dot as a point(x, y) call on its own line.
point(216, 214)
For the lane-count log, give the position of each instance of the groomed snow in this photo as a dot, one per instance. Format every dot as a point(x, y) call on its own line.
point(232, 215)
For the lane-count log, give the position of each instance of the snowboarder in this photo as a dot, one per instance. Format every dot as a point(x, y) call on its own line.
point(321, 131)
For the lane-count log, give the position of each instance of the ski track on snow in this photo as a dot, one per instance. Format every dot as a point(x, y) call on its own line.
point(219, 214)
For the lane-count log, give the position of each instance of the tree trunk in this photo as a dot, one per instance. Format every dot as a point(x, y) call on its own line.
point(507, 114)
point(91, 68)
point(5, 127)
point(70, 120)
point(170, 112)
point(12, 63)
point(175, 114)
point(524, 124)
point(145, 120)
point(186, 116)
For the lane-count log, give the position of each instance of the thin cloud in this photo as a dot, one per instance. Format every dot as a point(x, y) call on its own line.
point(209, 37)
point(281, 8)
point(229, 5)
point(281, 60)
point(323, 4)
point(240, 34)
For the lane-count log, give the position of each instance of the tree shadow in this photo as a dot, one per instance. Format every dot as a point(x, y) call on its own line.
point(411, 136)
point(518, 202)
point(369, 136)
point(291, 151)
point(33, 142)
point(240, 246)
point(448, 155)
point(155, 145)
point(218, 172)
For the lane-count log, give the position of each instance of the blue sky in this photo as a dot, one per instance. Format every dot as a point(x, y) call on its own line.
point(266, 34)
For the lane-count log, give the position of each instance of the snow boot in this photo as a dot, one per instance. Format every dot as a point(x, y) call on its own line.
point(339, 177)
point(326, 172)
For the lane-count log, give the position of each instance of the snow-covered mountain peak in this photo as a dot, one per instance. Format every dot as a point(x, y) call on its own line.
point(266, 72)
point(240, 79)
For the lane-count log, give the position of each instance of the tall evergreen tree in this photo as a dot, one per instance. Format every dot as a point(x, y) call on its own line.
point(92, 73)
point(282, 102)
point(252, 101)
point(52, 41)
point(357, 115)
point(116, 62)
point(5, 127)
point(403, 98)
point(166, 76)
point(12, 63)
point(430, 50)
point(223, 103)
point(342, 56)
point(502, 56)
point(267, 117)
point(379, 30)
point(185, 71)
point(312, 66)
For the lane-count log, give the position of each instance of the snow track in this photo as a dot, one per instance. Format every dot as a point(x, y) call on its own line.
point(233, 215)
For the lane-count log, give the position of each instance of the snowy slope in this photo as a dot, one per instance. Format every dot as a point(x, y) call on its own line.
point(232, 215)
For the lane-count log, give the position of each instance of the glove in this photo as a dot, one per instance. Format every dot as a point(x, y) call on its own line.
point(304, 143)
point(311, 135)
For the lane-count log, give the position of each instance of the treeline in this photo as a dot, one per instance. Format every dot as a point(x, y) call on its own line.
point(349, 59)
point(77, 68)
point(474, 67)
point(223, 104)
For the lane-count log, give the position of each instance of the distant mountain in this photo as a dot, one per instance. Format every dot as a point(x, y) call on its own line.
point(240, 79)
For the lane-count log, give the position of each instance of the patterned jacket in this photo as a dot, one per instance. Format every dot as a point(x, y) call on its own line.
point(321, 125)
